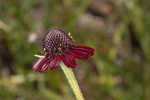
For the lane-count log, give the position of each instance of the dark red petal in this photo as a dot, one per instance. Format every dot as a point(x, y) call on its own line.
point(40, 65)
point(54, 62)
point(44, 68)
point(82, 52)
point(84, 49)
point(69, 60)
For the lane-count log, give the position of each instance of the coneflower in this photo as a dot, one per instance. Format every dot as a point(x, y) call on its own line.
point(59, 46)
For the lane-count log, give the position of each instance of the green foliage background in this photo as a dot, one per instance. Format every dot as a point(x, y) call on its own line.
point(119, 70)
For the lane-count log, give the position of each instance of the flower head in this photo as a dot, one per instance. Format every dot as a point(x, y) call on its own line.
point(58, 46)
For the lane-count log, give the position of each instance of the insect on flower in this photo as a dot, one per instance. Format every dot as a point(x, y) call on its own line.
point(58, 46)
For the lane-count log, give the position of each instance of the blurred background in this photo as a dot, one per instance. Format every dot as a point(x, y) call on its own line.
point(119, 30)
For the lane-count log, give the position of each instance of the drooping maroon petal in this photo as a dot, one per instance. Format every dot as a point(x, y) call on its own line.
point(54, 62)
point(82, 52)
point(44, 68)
point(69, 60)
point(84, 49)
point(41, 65)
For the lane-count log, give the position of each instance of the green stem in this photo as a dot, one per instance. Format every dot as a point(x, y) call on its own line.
point(72, 81)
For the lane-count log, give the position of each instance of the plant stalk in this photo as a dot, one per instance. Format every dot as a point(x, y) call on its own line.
point(72, 81)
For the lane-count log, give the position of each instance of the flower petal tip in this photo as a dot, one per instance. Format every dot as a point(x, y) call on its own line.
point(40, 65)
point(82, 52)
